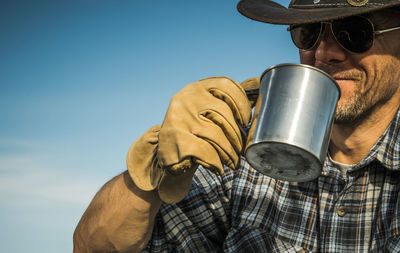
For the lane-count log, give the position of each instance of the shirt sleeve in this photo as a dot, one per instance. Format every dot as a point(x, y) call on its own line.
point(200, 222)
point(203, 221)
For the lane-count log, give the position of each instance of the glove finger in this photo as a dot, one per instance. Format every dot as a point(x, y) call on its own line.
point(251, 83)
point(176, 180)
point(223, 135)
point(232, 121)
point(176, 145)
point(209, 110)
point(232, 94)
point(251, 87)
point(179, 140)
point(253, 125)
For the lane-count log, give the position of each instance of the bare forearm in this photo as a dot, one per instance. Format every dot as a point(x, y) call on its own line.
point(120, 218)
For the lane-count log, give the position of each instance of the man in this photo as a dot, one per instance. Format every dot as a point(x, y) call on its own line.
point(354, 205)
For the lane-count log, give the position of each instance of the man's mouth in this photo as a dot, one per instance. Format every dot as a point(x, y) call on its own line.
point(342, 80)
point(345, 78)
point(345, 83)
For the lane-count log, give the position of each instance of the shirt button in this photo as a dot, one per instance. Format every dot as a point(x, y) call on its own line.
point(341, 211)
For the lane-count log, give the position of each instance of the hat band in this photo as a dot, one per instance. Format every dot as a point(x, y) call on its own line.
point(337, 4)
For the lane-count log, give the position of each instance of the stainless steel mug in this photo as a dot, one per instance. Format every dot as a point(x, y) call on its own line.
point(295, 116)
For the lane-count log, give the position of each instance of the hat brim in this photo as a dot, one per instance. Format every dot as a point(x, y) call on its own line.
point(274, 13)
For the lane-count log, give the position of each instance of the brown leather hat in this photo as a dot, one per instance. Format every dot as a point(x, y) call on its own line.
point(309, 11)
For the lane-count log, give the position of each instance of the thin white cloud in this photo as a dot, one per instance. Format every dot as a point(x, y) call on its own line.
point(28, 179)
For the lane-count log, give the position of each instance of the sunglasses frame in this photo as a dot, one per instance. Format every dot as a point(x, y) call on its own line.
point(325, 23)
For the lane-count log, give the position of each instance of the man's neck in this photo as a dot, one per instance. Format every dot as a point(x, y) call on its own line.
point(351, 143)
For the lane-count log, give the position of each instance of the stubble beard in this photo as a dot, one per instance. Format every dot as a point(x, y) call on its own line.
point(362, 102)
point(351, 110)
point(360, 105)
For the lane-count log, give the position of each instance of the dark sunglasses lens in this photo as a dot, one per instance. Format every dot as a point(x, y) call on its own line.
point(356, 34)
point(305, 36)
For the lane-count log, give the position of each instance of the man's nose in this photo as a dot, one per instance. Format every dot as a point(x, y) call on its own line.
point(328, 50)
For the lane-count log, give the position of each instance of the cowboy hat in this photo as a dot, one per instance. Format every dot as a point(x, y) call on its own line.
point(309, 11)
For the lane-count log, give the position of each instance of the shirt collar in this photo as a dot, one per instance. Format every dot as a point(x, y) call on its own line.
point(386, 150)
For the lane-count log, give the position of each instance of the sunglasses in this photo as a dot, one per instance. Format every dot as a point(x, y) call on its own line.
point(355, 34)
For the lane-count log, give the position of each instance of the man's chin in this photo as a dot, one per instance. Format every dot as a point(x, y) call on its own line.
point(346, 114)
point(344, 120)
point(351, 115)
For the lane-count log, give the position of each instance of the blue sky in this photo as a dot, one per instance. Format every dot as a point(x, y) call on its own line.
point(81, 80)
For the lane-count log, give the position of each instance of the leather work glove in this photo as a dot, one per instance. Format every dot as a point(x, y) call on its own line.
point(203, 126)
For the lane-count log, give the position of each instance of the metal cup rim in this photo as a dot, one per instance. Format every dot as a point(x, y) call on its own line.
point(302, 66)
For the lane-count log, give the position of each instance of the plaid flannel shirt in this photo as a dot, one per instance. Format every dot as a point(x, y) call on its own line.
point(244, 211)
